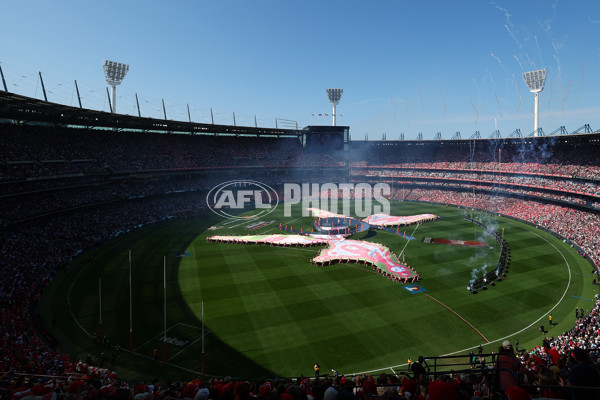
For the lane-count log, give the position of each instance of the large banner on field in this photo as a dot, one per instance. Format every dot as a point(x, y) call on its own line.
point(390, 220)
point(373, 254)
point(276, 240)
point(338, 250)
point(317, 212)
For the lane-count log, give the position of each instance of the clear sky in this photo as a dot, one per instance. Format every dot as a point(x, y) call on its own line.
point(405, 66)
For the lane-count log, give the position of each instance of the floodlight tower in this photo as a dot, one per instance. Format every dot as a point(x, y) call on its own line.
point(334, 96)
point(114, 72)
point(535, 82)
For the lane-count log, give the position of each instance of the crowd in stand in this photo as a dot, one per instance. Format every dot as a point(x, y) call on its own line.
point(101, 207)
point(33, 252)
point(561, 184)
point(44, 152)
point(524, 168)
point(582, 228)
point(510, 190)
point(545, 372)
point(576, 157)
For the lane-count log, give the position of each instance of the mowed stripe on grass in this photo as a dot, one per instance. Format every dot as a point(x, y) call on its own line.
point(270, 312)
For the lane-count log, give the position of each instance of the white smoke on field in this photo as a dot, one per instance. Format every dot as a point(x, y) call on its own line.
point(477, 256)
point(477, 273)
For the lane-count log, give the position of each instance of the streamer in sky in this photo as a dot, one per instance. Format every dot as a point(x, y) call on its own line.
point(518, 44)
point(491, 78)
point(550, 97)
point(557, 62)
point(519, 61)
point(499, 106)
point(566, 97)
point(507, 14)
point(443, 102)
point(538, 49)
point(556, 57)
point(496, 58)
point(529, 59)
point(477, 88)
point(407, 116)
point(499, 62)
point(512, 36)
point(476, 112)
point(518, 92)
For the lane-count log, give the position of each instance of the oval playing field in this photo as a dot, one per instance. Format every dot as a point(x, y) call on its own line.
point(269, 312)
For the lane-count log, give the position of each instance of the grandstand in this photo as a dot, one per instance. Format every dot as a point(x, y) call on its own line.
point(72, 179)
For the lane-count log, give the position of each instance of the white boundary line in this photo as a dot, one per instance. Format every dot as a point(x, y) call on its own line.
point(459, 316)
point(374, 370)
point(69, 297)
point(126, 350)
point(408, 241)
point(507, 336)
point(546, 313)
point(189, 345)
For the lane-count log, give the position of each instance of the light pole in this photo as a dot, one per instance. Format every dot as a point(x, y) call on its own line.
point(114, 72)
point(334, 96)
point(535, 82)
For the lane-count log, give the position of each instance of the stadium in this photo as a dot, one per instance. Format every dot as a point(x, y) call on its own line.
point(146, 255)
point(110, 270)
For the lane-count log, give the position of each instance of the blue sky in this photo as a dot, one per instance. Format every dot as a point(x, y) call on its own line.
point(405, 66)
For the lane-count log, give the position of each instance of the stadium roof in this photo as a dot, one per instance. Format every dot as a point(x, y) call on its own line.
point(28, 110)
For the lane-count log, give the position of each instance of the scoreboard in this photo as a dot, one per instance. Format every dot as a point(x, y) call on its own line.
point(325, 138)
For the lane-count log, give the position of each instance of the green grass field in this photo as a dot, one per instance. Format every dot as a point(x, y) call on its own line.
point(269, 312)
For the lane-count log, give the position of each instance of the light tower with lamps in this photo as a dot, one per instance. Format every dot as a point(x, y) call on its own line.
point(114, 72)
point(334, 96)
point(535, 82)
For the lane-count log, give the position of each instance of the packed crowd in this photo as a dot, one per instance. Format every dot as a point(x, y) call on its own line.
point(23, 350)
point(33, 252)
point(575, 157)
point(513, 374)
point(410, 385)
point(573, 186)
point(522, 168)
point(499, 189)
point(102, 207)
point(582, 228)
point(32, 152)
